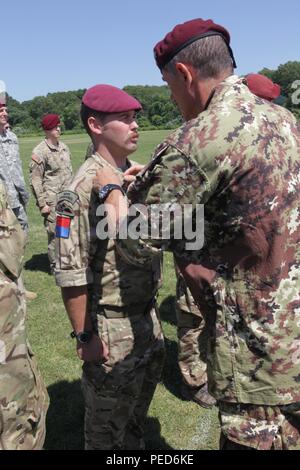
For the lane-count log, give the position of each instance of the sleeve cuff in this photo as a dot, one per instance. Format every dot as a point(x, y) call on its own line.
point(73, 277)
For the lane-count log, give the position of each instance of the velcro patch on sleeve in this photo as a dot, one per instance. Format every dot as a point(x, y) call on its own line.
point(68, 196)
point(36, 159)
point(62, 229)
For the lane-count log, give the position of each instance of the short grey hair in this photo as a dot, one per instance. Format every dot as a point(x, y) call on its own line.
point(209, 56)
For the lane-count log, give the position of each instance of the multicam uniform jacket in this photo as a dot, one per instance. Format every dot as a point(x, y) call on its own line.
point(84, 259)
point(241, 159)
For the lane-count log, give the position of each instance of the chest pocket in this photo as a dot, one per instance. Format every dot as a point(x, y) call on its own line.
point(54, 163)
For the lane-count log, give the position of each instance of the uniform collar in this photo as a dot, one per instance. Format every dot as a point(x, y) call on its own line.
point(6, 135)
point(233, 82)
point(53, 147)
point(118, 170)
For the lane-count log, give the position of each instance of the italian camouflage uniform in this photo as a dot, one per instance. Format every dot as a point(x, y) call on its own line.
point(11, 173)
point(23, 396)
point(121, 304)
point(50, 172)
point(241, 159)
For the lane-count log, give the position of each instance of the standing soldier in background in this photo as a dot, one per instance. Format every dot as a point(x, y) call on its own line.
point(50, 172)
point(23, 396)
point(111, 303)
point(11, 173)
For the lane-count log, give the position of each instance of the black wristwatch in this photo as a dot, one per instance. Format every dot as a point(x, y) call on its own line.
point(83, 337)
point(104, 192)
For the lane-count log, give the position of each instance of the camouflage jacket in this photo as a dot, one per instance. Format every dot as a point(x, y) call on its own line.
point(23, 396)
point(11, 171)
point(50, 172)
point(82, 258)
point(241, 159)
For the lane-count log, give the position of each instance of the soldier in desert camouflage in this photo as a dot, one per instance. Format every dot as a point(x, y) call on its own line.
point(111, 303)
point(50, 172)
point(23, 396)
point(238, 155)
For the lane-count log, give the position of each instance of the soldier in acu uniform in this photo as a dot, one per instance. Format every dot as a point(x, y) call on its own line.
point(50, 172)
point(11, 171)
point(23, 396)
point(111, 303)
point(237, 154)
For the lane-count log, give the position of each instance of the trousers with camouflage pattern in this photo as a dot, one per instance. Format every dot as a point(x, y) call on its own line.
point(118, 393)
point(23, 396)
point(192, 336)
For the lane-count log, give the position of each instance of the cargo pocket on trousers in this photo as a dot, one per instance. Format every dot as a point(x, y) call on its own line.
point(20, 424)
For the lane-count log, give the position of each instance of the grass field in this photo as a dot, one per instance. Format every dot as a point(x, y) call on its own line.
point(172, 422)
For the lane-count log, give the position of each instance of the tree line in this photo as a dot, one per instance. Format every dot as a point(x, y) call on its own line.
point(159, 112)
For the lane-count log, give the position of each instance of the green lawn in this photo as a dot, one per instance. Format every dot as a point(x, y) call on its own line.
point(172, 422)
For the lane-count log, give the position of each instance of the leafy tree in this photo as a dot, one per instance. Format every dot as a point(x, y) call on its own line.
point(158, 110)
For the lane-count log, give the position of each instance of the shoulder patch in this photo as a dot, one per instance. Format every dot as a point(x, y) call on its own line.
point(66, 201)
point(36, 159)
point(68, 196)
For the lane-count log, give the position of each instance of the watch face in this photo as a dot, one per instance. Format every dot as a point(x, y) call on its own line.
point(84, 337)
point(103, 193)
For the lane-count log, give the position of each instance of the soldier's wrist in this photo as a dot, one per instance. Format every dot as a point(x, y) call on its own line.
point(83, 337)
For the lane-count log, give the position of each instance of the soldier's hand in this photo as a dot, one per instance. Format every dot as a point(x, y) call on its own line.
point(46, 210)
point(130, 174)
point(105, 176)
point(94, 351)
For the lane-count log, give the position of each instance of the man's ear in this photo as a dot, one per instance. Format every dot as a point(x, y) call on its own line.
point(185, 71)
point(189, 76)
point(94, 125)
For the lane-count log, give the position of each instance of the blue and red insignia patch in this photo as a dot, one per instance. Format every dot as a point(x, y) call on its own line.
point(62, 229)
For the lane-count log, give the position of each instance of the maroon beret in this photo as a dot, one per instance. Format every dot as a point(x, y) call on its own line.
point(109, 99)
point(2, 104)
point(263, 86)
point(185, 34)
point(50, 121)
